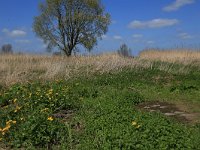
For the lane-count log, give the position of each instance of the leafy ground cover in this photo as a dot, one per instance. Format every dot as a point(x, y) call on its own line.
point(100, 112)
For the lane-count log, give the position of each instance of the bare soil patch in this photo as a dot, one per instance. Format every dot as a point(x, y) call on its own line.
point(67, 116)
point(170, 110)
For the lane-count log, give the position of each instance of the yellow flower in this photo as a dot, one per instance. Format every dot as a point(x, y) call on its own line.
point(134, 123)
point(138, 126)
point(1, 139)
point(50, 91)
point(17, 108)
point(50, 119)
point(45, 110)
point(30, 94)
point(11, 121)
point(6, 128)
point(5, 106)
point(14, 122)
point(81, 98)
point(15, 100)
point(8, 122)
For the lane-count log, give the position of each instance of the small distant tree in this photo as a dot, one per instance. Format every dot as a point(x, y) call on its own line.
point(124, 51)
point(57, 54)
point(6, 49)
point(67, 23)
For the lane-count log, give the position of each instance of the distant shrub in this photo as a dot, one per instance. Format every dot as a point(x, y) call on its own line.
point(57, 54)
point(20, 53)
point(124, 51)
point(6, 49)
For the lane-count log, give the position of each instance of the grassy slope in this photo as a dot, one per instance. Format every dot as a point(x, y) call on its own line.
point(108, 117)
point(104, 110)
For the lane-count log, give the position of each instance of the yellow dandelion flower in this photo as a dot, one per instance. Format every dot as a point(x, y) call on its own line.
point(14, 122)
point(30, 94)
point(6, 128)
point(44, 110)
point(134, 123)
point(138, 126)
point(17, 108)
point(50, 118)
point(5, 106)
point(15, 100)
point(50, 91)
point(8, 122)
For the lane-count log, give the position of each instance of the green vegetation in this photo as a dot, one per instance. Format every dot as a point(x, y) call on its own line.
point(100, 112)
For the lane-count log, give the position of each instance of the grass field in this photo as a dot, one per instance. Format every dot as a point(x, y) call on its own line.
point(98, 102)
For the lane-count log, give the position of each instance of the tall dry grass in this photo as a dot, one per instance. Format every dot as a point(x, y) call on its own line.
point(183, 56)
point(25, 68)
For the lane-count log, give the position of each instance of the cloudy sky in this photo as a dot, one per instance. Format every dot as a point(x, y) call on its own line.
point(138, 23)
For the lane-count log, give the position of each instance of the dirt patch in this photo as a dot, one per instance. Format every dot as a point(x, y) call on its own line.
point(170, 110)
point(67, 116)
point(64, 114)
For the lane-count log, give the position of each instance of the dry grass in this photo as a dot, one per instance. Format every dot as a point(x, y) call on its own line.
point(174, 56)
point(25, 68)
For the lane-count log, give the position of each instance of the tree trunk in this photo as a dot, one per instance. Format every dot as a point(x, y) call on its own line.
point(68, 52)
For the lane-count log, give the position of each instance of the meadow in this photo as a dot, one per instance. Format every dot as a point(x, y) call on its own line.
point(100, 102)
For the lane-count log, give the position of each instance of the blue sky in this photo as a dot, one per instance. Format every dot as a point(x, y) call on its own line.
point(138, 23)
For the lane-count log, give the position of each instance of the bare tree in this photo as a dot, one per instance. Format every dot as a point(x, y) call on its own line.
point(124, 51)
point(6, 49)
point(67, 23)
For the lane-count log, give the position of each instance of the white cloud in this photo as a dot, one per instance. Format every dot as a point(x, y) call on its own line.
point(14, 33)
point(117, 37)
point(177, 5)
point(155, 23)
point(113, 21)
point(5, 30)
point(18, 33)
point(150, 42)
point(137, 41)
point(184, 36)
point(137, 36)
point(23, 41)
